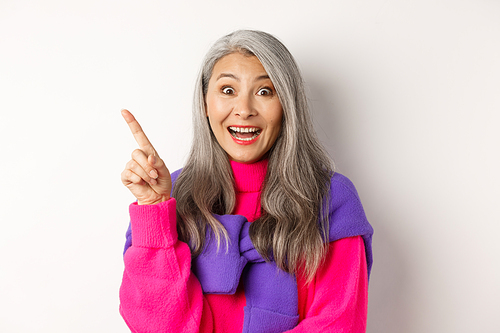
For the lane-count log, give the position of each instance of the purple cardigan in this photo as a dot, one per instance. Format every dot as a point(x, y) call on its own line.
point(271, 294)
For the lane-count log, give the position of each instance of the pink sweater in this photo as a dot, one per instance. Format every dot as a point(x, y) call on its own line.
point(159, 293)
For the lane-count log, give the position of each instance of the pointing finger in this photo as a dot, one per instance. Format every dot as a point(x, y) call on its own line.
point(138, 133)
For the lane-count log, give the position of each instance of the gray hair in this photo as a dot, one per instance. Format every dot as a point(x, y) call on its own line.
point(297, 182)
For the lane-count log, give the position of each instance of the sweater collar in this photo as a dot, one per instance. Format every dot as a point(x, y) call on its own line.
point(249, 177)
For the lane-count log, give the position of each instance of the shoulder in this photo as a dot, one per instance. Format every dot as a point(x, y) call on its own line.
point(346, 214)
point(342, 187)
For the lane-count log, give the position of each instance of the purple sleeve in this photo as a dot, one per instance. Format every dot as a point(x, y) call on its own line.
point(347, 216)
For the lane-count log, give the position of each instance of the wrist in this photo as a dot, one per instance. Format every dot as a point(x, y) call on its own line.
point(149, 202)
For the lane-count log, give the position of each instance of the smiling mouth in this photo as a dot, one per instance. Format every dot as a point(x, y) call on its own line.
point(244, 133)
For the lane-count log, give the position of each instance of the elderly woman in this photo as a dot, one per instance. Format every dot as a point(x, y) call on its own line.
point(256, 233)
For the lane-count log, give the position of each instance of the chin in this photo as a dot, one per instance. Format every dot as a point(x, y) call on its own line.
point(245, 159)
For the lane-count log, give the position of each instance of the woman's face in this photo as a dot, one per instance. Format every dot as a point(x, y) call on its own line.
point(243, 108)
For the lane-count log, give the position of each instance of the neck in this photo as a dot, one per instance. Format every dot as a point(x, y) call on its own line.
point(248, 180)
point(249, 177)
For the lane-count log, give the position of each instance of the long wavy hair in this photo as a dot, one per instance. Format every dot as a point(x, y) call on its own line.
point(294, 222)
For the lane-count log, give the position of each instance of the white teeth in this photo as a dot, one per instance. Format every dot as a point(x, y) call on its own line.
point(254, 130)
point(246, 139)
point(243, 129)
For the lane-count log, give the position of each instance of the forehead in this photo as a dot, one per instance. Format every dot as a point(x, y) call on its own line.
point(237, 63)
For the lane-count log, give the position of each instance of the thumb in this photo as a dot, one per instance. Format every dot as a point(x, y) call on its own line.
point(161, 174)
point(159, 166)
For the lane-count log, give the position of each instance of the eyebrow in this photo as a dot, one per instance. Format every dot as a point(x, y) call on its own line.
point(232, 76)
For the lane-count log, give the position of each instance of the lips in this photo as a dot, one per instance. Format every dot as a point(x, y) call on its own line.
point(246, 134)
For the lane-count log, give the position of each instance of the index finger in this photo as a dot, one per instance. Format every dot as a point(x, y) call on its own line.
point(138, 133)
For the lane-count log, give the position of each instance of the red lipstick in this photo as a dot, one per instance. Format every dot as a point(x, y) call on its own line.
point(243, 137)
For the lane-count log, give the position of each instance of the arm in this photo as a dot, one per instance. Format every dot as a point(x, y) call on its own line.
point(158, 292)
point(337, 298)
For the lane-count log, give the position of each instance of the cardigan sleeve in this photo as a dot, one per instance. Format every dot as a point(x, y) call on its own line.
point(158, 292)
point(337, 299)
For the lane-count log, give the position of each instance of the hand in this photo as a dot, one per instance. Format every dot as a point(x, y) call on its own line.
point(145, 175)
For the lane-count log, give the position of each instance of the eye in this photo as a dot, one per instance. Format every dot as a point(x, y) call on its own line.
point(227, 90)
point(265, 92)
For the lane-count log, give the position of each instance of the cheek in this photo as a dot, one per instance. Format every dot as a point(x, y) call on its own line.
point(277, 118)
point(214, 109)
point(275, 128)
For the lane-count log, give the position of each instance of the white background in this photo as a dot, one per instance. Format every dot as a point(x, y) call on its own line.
point(405, 96)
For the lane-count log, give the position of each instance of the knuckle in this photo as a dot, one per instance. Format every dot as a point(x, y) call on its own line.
point(133, 165)
point(123, 177)
point(129, 174)
point(130, 164)
point(135, 179)
point(140, 171)
point(127, 177)
point(137, 153)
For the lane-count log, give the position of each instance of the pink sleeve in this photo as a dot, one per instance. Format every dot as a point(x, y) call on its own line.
point(337, 298)
point(158, 292)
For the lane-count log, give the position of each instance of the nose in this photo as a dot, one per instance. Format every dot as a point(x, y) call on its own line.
point(245, 106)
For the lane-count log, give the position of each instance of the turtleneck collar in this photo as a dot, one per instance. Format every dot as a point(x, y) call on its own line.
point(249, 177)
